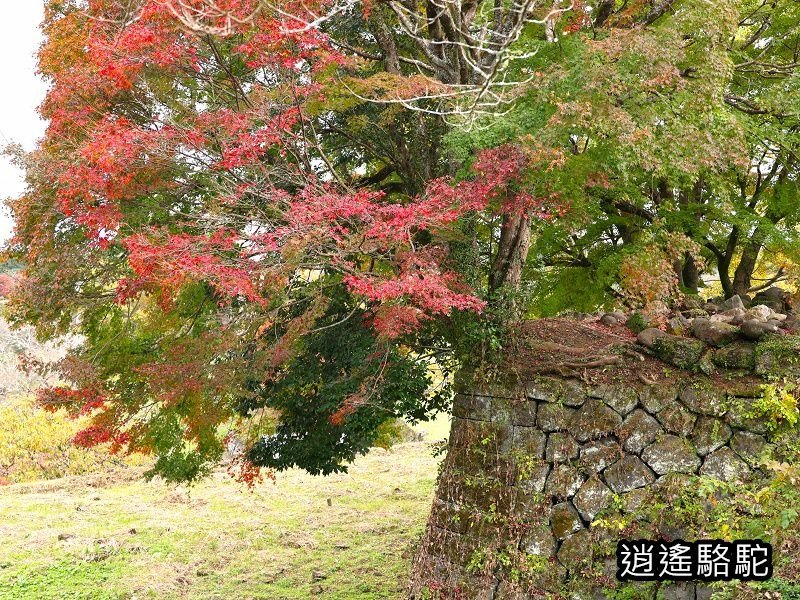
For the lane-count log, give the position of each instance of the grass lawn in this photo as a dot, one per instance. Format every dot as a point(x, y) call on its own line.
point(117, 536)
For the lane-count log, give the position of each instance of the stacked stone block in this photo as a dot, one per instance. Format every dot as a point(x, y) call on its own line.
point(535, 464)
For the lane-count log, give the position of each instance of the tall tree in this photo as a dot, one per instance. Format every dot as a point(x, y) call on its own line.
point(716, 157)
point(271, 220)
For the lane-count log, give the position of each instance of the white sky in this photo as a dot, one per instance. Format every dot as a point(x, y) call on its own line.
point(22, 92)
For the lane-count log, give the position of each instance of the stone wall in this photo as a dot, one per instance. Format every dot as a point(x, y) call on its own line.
point(541, 474)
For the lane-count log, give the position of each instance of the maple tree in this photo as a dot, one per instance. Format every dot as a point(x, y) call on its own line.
point(268, 221)
point(694, 142)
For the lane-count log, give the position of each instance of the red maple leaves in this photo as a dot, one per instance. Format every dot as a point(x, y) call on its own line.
point(175, 158)
point(169, 263)
point(83, 403)
point(116, 161)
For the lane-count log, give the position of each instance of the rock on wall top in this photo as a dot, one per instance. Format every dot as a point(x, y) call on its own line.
point(738, 334)
point(725, 334)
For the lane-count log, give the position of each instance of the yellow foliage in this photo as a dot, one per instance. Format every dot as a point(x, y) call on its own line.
point(35, 444)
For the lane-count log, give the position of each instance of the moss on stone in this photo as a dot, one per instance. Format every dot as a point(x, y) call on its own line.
point(778, 356)
point(563, 448)
point(684, 353)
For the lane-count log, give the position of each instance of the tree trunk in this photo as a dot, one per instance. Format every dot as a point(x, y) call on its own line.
point(515, 242)
point(724, 258)
point(723, 266)
point(691, 275)
point(604, 11)
point(677, 267)
point(386, 41)
point(742, 278)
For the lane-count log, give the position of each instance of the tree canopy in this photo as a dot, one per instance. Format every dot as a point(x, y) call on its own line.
point(289, 222)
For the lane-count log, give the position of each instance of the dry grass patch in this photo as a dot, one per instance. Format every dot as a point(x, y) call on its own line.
point(126, 538)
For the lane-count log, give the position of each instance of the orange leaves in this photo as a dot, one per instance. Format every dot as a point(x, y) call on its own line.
point(422, 285)
point(244, 471)
point(244, 137)
point(395, 320)
point(390, 86)
point(67, 37)
point(84, 402)
point(118, 161)
point(579, 17)
point(7, 284)
point(648, 276)
point(234, 167)
point(264, 328)
point(282, 351)
point(185, 219)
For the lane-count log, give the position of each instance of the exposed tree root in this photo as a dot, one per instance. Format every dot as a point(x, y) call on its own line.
point(578, 369)
point(646, 380)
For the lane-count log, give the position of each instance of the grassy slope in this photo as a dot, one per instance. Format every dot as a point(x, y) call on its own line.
point(134, 539)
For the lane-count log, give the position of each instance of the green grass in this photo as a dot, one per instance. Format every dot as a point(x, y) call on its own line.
point(127, 538)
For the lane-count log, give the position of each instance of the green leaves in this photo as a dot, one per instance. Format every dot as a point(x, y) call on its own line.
point(334, 395)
